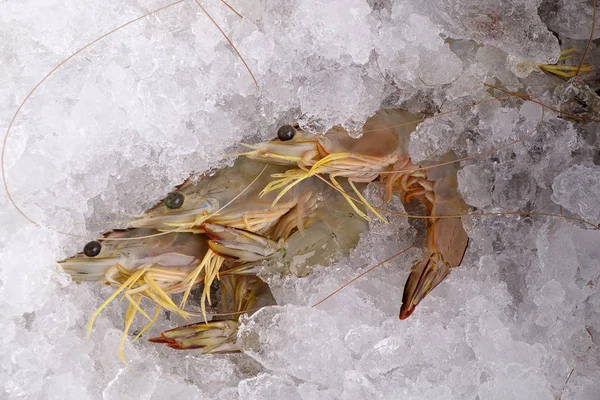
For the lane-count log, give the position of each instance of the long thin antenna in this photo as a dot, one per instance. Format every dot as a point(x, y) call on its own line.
point(365, 272)
point(232, 9)
point(589, 43)
point(12, 121)
point(229, 40)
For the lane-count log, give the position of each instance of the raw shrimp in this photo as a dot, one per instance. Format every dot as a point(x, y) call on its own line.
point(333, 231)
point(149, 264)
point(157, 265)
point(229, 197)
point(381, 152)
point(224, 198)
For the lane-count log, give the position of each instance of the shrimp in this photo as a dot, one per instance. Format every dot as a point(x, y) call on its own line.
point(383, 145)
point(382, 152)
point(333, 231)
point(218, 199)
point(157, 267)
point(141, 264)
point(153, 264)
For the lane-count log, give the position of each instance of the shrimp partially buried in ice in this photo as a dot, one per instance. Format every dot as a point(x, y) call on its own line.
point(382, 152)
point(383, 146)
point(333, 231)
point(154, 264)
point(157, 267)
point(140, 263)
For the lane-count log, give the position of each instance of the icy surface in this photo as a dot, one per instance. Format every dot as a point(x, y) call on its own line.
point(578, 190)
point(125, 120)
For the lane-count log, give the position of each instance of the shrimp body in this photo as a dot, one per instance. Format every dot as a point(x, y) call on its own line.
point(382, 153)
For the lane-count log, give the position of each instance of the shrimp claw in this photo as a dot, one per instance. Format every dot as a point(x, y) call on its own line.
point(239, 293)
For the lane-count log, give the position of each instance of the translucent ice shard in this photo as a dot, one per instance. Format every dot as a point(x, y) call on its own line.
point(513, 26)
point(310, 348)
point(578, 190)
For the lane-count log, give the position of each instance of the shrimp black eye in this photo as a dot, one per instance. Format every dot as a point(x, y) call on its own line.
point(92, 249)
point(286, 133)
point(174, 200)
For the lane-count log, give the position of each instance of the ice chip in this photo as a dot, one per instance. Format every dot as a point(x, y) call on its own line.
point(137, 381)
point(310, 349)
point(578, 189)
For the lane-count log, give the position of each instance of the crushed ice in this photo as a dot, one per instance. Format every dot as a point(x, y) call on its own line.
point(133, 115)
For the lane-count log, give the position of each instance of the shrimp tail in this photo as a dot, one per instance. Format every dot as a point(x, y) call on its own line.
point(447, 240)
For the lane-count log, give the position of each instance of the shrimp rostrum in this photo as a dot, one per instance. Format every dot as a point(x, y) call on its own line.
point(381, 153)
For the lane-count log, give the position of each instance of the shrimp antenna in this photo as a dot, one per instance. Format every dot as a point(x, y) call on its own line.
point(232, 9)
point(366, 272)
point(589, 43)
point(227, 38)
point(16, 114)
